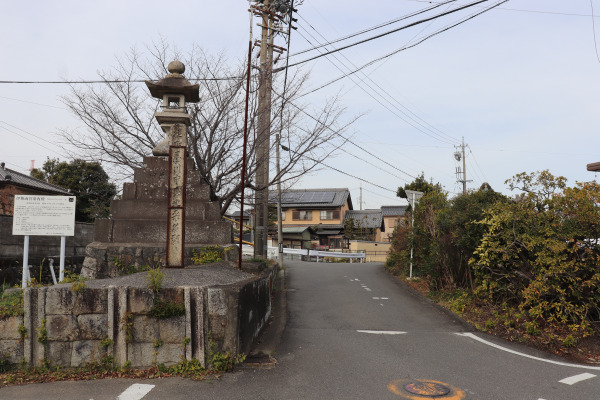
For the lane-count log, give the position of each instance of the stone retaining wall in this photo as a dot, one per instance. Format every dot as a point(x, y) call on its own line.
point(69, 329)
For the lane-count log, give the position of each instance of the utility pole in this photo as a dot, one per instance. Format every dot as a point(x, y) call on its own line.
point(460, 155)
point(360, 198)
point(269, 11)
point(263, 142)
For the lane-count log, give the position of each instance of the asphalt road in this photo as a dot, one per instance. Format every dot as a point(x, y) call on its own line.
point(355, 333)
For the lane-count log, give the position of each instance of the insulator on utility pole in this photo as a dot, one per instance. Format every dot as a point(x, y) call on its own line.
point(458, 156)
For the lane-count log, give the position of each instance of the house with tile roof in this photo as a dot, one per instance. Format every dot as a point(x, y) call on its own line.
point(15, 183)
point(364, 225)
point(313, 217)
point(392, 216)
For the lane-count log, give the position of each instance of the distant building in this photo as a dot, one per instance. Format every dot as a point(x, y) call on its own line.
point(392, 216)
point(15, 183)
point(313, 217)
point(366, 225)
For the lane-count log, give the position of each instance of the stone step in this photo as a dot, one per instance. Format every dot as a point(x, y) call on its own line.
point(141, 209)
point(155, 231)
point(143, 191)
point(155, 170)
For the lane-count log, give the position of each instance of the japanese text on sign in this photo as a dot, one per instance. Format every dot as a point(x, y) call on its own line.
point(44, 215)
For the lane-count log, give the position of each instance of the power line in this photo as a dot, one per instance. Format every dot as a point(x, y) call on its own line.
point(400, 49)
point(594, 31)
point(475, 159)
point(347, 174)
point(379, 92)
point(379, 195)
point(374, 165)
point(26, 138)
point(32, 102)
point(524, 10)
point(385, 34)
point(116, 81)
point(373, 28)
point(352, 142)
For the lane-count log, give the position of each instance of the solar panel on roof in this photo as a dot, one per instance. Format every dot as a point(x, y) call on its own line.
point(307, 197)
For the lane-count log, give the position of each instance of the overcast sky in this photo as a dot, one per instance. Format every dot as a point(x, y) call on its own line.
point(520, 83)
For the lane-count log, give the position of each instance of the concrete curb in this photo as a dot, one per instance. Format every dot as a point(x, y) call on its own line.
point(265, 346)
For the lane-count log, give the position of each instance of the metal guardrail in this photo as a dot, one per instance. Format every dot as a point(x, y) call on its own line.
point(272, 251)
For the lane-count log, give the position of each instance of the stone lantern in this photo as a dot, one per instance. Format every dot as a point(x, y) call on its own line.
point(166, 212)
point(174, 91)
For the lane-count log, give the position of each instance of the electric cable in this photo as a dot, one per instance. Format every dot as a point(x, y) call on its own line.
point(115, 81)
point(400, 49)
point(594, 31)
point(373, 27)
point(386, 33)
point(28, 139)
point(432, 134)
point(379, 93)
point(522, 10)
point(475, 159)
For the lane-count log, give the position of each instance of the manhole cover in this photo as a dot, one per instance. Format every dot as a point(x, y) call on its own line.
point(430, 389)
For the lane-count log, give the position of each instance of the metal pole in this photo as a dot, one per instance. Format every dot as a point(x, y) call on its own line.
point(279, 223)
point(243, 185)
point(51, 265)
point(25, 261)
point(412, 238)
point(61, 273)
point(464, 167)
point(263, 137)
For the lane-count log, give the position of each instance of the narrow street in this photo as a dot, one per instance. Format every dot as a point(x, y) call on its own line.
point(355, 333)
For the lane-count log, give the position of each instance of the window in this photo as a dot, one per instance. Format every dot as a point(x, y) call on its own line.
point(283, 215)
point(302, 215)
point(330, 214)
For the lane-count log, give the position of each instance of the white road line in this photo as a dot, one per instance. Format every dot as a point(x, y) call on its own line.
point(472, 336)
point(135, 392)
point(382, 332)
point(367, 289)
point(577, 378)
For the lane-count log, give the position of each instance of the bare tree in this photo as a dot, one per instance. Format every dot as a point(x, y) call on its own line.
point(120, 128)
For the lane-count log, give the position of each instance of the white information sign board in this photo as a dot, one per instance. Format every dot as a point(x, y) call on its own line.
point(44, 215)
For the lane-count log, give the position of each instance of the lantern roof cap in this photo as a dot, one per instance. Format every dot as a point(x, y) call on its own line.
point(175, 83)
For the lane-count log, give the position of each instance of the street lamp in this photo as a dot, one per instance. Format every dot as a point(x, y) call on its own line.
point(413, 198)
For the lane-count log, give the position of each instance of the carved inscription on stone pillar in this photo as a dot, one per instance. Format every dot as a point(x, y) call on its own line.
point(177, 179)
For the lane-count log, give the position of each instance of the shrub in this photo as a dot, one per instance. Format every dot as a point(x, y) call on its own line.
point(11, 304)
point(207, 255)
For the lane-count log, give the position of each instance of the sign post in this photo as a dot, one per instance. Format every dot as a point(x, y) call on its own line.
point(43, 216)
point(413, 198)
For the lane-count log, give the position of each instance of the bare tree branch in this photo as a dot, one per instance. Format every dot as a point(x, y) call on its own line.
point(119, 126)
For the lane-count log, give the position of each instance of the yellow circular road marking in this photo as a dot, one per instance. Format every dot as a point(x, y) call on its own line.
point(419, 389)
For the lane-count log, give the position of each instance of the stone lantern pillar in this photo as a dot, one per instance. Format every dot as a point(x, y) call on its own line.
point(174, 91)
point(168, 202)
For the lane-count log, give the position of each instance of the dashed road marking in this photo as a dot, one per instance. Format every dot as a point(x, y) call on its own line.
point(135, 392)
point(382, 332)
point(381, 298)
point(577, 378)
point(367, 289)
point(472, 336)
